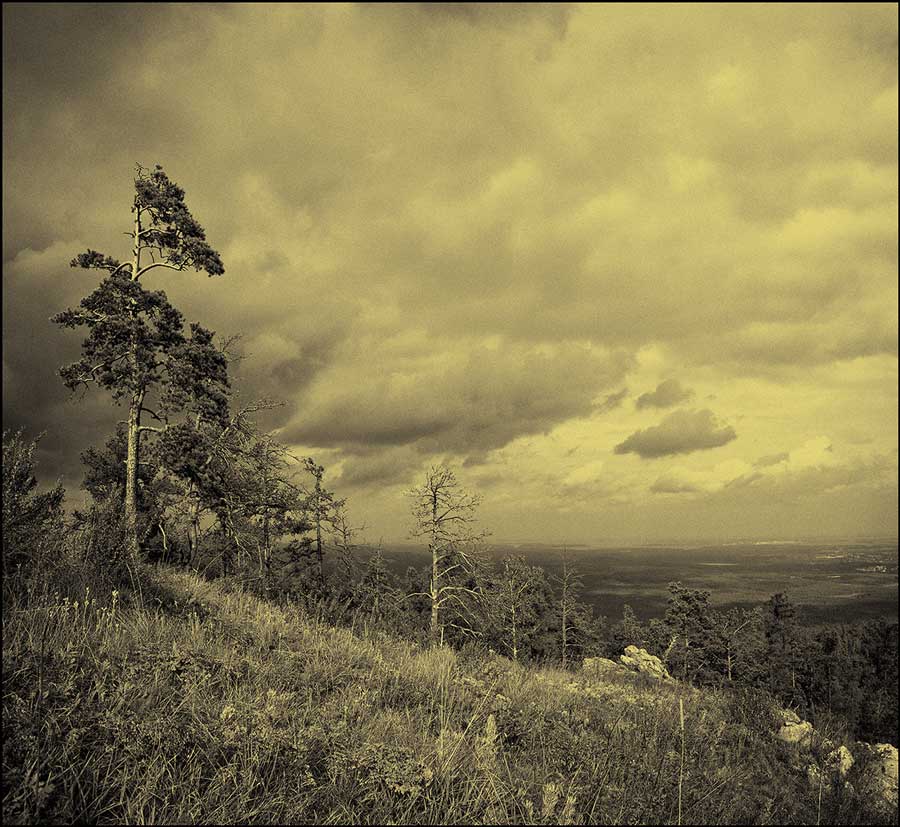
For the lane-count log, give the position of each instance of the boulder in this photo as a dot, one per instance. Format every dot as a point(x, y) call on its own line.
point(788, 716)
point(841, 761)
point(838, 763)
point(800, 734)
point(881, 771)
point(794, 730)
point(601, 667)
point(641, 661)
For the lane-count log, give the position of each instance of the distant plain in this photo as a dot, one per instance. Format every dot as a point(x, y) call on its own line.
point(828, 582)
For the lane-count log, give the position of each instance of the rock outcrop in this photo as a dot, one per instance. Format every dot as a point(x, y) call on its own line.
point(838, 764)
point(877, 776)
point(793, 730)
point(881, 771)
point(841, 760)
point(641, 661)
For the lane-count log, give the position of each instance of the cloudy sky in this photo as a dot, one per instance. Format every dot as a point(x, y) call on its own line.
point(630, 270)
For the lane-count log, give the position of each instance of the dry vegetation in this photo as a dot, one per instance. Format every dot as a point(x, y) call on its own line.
point(175, 700)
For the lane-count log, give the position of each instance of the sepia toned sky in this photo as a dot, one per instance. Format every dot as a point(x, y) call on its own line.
point(630, 270)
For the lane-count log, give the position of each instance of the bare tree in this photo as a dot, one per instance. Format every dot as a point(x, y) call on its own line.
point(515, 585)
point(570, 584)
point(344, 536)
point(444, 513)
point(739, 632)
point(320, 506)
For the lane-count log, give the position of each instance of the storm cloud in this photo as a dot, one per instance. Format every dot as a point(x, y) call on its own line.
point(680, 432)
point(666, 395)
point(483, 400)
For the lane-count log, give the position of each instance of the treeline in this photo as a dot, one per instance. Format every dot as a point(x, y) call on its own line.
point(190, 478)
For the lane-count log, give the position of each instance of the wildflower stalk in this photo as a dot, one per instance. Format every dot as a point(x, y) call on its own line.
point(681, 765)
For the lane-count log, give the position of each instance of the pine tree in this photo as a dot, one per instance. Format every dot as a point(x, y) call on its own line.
point(135, 337)
point(518, 604)
point(737, 643)
point(321, 506)
point(626, 632)
point(688, 618)
point(30, 520)
point(375, 593)
point(781, 645)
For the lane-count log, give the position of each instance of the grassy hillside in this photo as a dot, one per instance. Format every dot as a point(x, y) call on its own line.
point(181, 700)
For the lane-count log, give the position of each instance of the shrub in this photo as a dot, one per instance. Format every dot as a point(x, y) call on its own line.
point(32, 522)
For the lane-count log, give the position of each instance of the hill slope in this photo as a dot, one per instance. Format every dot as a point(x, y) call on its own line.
point(192, 703)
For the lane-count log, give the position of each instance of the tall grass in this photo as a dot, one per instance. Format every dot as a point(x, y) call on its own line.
point(177, 700)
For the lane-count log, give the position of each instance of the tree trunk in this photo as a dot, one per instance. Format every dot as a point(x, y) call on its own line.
point(134, 413)
point(564, 633)
point(267, 541)
point(267, 551)
point(165, 541)
point(194, 534)
point(131, 477)
point(436, 631)
point(435, 598)
point(226, 549)
point(319, 554)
